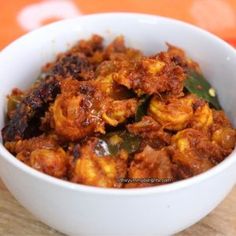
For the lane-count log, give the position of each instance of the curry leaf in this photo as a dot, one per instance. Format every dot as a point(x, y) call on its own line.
point(142, 107)
point(197, 84)
point(112, 143)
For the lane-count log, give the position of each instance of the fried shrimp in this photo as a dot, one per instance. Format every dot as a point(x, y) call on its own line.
point(112, 117)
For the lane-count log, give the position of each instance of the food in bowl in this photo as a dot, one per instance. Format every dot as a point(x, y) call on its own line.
point(113, 117)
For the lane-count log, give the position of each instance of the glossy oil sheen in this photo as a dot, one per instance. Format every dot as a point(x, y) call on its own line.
point(83, 210)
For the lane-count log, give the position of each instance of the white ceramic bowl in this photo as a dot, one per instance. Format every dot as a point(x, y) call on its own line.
point(82, 210)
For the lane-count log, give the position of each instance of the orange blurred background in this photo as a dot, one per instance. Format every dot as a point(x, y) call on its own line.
point(20, 16)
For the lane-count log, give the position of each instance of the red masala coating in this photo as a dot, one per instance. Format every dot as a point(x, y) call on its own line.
point(102, 171)
point(151, 132)
point(153, 164)
point(70, 123)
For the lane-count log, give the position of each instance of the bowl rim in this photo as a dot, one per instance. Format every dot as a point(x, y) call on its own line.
point(116, 191)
